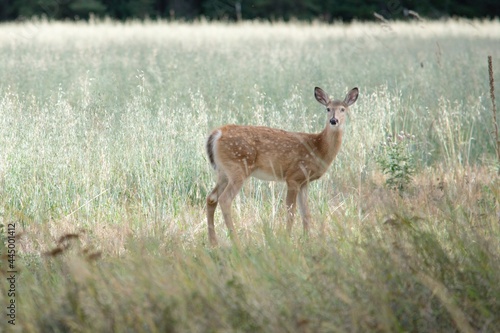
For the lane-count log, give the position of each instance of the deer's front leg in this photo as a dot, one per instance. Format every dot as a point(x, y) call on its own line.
point(304, 208)
point(291, 201)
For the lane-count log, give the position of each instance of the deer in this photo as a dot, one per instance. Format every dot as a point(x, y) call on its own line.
point(238, 152)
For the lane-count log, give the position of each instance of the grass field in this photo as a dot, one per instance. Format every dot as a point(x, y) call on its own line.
point(104, 174)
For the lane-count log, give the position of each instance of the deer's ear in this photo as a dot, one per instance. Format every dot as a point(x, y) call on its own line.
point(351, 96)
point(321, 96)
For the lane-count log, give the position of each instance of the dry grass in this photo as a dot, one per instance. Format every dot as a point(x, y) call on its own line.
point(102, 169)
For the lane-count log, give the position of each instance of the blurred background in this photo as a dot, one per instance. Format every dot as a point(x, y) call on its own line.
point(234, 10)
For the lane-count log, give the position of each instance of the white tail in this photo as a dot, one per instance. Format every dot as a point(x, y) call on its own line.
point(238, 152)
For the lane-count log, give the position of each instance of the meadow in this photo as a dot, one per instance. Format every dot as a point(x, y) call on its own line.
point(103, 172)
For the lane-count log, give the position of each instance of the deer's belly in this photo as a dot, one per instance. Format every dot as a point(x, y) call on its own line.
point(266, 175)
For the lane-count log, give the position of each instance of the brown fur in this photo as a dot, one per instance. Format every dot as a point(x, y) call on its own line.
point(238, 152)
point(210, 150)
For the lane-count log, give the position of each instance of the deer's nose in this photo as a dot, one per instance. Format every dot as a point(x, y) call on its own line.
point(334, 121)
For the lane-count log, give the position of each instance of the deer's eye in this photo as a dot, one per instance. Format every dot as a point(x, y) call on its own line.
point(342, 110)
point(328, 110)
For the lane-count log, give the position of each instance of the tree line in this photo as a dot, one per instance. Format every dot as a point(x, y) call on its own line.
point(327, 10)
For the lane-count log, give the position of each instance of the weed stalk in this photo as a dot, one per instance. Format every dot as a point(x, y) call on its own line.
point(494, 107)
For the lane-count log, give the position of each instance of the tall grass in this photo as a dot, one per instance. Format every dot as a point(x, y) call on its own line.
point(102, 129)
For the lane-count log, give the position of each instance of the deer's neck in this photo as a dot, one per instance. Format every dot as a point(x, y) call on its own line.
point(328, 144)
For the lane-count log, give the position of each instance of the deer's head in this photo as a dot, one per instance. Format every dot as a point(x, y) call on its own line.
point(336, 109)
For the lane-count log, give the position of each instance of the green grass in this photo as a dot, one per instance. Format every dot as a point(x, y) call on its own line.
point(102, 132)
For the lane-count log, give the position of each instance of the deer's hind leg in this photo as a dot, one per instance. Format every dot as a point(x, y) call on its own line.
point(237, 172)
point(212, 200)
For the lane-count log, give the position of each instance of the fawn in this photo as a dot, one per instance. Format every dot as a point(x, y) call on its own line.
point(238, 152)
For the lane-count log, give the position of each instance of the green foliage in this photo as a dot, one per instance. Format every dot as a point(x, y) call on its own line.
point(82, 8)
point(103, 169)
point(250, 9)
point(396, 160)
